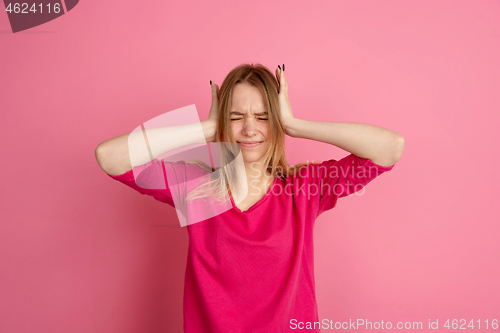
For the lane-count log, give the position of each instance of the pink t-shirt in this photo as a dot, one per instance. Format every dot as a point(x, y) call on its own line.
point(253, 271)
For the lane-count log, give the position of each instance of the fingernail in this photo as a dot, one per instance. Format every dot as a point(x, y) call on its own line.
point(210, 82)
point(283, 67)
point(279, 67)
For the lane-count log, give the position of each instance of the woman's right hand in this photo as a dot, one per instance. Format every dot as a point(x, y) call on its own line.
point(214, 111)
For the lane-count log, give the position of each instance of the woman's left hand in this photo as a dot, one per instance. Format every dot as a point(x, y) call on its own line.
point(286, 114)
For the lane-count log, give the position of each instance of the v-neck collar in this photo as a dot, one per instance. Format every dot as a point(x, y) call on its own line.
point(257, 203)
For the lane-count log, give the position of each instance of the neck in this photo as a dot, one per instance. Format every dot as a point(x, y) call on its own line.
point(257, 171)
point(254, 171)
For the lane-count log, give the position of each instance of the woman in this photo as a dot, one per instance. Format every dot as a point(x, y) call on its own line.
point(250, 268)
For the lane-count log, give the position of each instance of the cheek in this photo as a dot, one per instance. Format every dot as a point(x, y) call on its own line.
point(265, 131)
point(234, 129)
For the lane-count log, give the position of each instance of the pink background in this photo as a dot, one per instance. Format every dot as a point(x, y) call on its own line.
point(80, 252)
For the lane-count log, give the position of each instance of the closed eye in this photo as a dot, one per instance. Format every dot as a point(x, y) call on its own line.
point(233, 119)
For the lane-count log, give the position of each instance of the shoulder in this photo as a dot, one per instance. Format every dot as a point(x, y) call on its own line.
point(307, 169)
point(187, 168)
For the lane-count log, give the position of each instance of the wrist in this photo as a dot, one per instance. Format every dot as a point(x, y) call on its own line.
point(290, 126)
point(209, 129)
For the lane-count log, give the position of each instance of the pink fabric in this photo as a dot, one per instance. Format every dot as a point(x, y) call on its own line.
point(253, 271)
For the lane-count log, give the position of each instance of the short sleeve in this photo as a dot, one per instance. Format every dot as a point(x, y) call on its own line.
point(166, 181)
point(150, 179)
point(344, 177)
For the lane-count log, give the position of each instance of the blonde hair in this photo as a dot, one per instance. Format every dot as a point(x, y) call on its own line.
point(262, 78)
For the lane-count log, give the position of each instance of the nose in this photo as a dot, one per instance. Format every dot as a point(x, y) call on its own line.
point(249, 127)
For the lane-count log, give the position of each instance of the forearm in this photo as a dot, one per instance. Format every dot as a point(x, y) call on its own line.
point(382, 146)
point(119, 154)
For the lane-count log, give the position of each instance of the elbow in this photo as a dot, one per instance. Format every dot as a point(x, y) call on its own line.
point(99, 156)
point(98, 152)
point(399, 147)
point(391, 151)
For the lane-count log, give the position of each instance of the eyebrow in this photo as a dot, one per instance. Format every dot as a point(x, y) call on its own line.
point(239, 113)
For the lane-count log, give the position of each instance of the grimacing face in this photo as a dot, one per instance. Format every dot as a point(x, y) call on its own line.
point(249, 122)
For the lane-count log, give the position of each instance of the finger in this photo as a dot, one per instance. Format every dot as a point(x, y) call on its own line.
point(215, 100)
point(214, 90)
point(278, 78)
point(283, 78)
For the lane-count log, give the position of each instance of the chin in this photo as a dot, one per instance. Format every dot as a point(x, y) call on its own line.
point(250, 157)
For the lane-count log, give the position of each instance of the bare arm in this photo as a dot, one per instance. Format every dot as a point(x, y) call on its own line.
point(114, 155)
point(120, 154)
point(382, 146)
